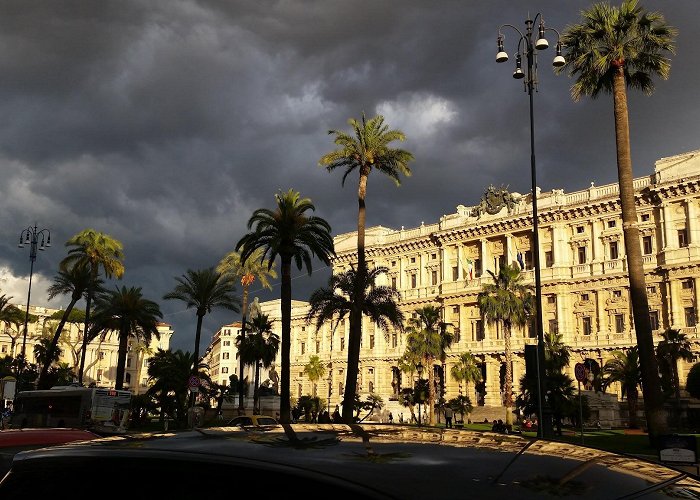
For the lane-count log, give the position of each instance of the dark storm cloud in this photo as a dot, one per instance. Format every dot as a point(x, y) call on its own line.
point(166, 123)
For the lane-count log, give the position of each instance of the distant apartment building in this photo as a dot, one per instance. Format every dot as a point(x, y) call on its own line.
point(101, 355)
point(585, 295)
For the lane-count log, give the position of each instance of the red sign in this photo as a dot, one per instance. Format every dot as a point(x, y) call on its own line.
point(580, 372)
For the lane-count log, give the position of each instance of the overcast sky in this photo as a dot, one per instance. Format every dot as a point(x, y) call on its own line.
point(165, 123)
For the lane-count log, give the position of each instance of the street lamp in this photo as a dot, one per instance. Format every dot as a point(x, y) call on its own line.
point(30, 236)
point(419, 369)
point(527, 47)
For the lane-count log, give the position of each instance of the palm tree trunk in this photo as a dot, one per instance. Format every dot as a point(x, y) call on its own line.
point(244, 311)
point(651, 386)
point(88, 303)
point(54, 343)
point(632, 398)
point(508, 390)
point(256, 396)
point(431, 390)
point(198, 335)
point(286, 305)
point(121, 358)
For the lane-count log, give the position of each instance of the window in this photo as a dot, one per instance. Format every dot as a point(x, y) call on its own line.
point(528, 260)
point(318, 346)
point(581, 255)
point(651, 290)
point(394, 339)
point(586, 325)
point(455, 273)
point(4, 348)
point(393, 282)
point(654, 319)
point(682, 238)
point(128, 362)
point(584, 297)
point(127, 378)
point(225, 355)
point(433, 277)
point(456, 337)
point(303, 348)
point(393, 263)
point(477, 267)
point(101, 355)
point(455, 310)
point(617, 293)
point(579, 229)
point(613, 250)
point(689, 316)
point(612, 223)
point(619, 323)
point(414, 281)
point(413, 260)
point(299, 390)
point(553, 327)
point(342, 343)
point(433, 256)
point(224, 369)
point(99, 375)
point(646, 245)
point(227, 343)
point(645, 217)
point(687, 284)
point(479, 330)
point(371, 341)
point(548, 259)
point(551, 299)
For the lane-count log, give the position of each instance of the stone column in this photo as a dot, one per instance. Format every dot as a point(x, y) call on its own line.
point(510, 254)
point(493, 384)
point(444, 260)
point(486, 263)
point(692, 216)
point(674, 306)
point(562, 317)
point(670, 240)
point(459, 250)
point(601, 326)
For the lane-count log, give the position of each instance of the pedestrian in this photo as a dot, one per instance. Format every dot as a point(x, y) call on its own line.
point(448, 417)
point(391, 418)
point(336, 415)
point(401, 418)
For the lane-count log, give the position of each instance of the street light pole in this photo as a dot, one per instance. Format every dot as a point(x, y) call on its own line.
point(30, 236)
point(419, 368)
point(530, 48)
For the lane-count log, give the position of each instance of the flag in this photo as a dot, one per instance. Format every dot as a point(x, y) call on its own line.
point(520, 260)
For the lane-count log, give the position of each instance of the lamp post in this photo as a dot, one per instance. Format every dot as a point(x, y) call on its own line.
point(527, 47)
point(419, 369)
point(330, 385)
point(30, 236)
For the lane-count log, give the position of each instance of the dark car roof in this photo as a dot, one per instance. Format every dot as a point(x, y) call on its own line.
point(364, 461)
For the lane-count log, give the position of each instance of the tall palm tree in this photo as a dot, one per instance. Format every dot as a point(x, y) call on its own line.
point(339, 299)
point(506, 301)
point(624, 368)
point(11, 316)
point(247, 272)
point(258, 348)
point(674, 346)
point(429, 340)
point(43, 353)
point(204, 289)
point(610, 50)
point(557, 353)
point(93, 250)
point(74, 281)
point(127, 312)
point(466, 370)
point(314, 370)
point(296, 237)
point(367, 148)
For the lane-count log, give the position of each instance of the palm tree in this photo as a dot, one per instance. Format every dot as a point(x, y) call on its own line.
point(429, 340)
point(127, 312)
point(254, 267)
point(466, 370)
point(338, 300)
point(612, 49)
point(204, 290)
point(93, 251)
point(675, 346)
point(365, 149)
point(624, 368)
point(258, 348)
point(557, 354)
point(74, 281)
point(12, 316)
point(44, 354)
point(315, 370)
point(506, 301)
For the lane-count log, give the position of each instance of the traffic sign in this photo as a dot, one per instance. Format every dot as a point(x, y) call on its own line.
point(193, 382)
point(580, 372)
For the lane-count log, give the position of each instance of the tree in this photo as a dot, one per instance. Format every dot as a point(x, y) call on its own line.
point(339, 299)
point(557, 353)
point(462, 405)
point(93, 250)
point(624, 368)
point(674, 346)
point(11, 316)
point(367, 148)
point(314, 370)
point(204, 289)
point(506, 301)
point(255, 267)
point(127, 312)
point(296, 237)
point(692, 383)
point(43, 354)
point(466, 370)
point(260, 347)
point(610, 50)
point(168, 372)
point(74, 281)
point(428, 339)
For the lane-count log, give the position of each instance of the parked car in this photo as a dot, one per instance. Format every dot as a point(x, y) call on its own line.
point(257, 421)
point(358, 461)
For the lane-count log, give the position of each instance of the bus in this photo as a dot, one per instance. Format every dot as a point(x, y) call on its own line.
point(103, 411)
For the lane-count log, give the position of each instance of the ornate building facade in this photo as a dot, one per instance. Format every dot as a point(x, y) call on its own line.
point(583, 274)
point(101, 356)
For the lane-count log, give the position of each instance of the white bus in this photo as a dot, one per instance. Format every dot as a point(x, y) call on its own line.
point(104, 411)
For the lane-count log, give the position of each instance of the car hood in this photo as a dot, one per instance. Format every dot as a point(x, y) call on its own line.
point(377, 462)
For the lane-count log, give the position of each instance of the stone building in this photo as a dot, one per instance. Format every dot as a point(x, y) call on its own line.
point(101, 356)
point(583, 273)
